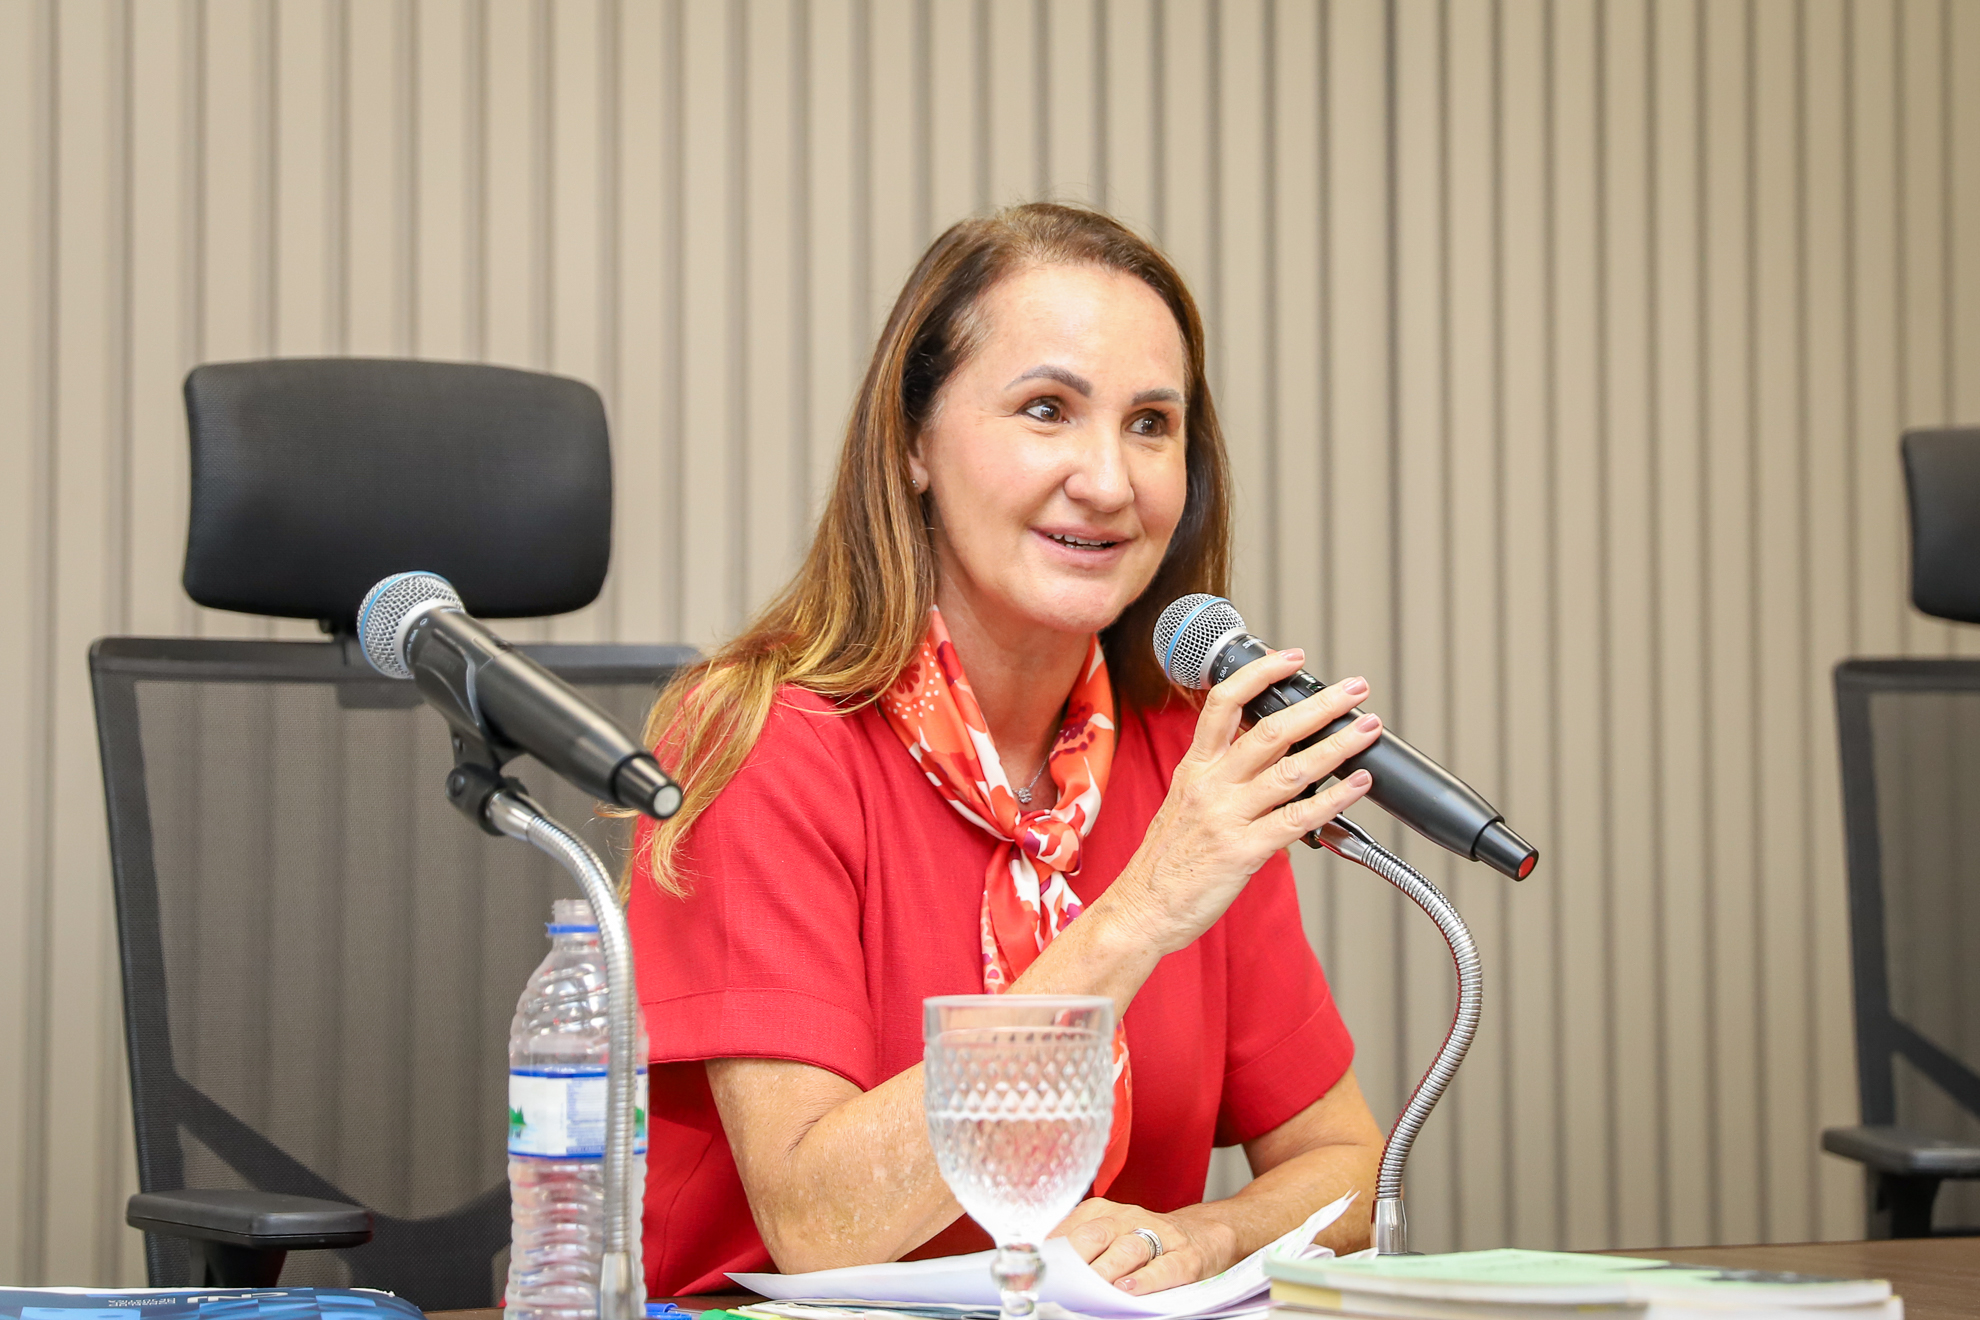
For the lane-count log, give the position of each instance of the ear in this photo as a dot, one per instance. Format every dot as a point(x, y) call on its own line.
point(917, 470)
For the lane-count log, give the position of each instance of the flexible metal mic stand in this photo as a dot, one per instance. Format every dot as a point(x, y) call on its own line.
point(1349, 840)
point(500, 805)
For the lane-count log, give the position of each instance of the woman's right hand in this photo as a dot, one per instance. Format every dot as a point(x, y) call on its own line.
point(1233, 800)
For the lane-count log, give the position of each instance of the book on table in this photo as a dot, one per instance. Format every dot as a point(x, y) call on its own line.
point(1559, 1285)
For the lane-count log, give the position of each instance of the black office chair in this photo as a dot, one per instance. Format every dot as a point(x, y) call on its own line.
point(321, 956)
point(1910, 733)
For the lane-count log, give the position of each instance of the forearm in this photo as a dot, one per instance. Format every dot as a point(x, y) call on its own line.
point(859, 1183)
point(1280, 1199)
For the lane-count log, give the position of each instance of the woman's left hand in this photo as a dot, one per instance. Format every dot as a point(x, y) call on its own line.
point(1102, 1232)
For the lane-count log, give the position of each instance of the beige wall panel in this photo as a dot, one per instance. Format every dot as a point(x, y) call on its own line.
point(1359, 428)
point(1014, 95)
point(1293, 351)
point(957, 174)
point(162, 313)
point(1134, 93)
point(1627, 476)
point(1475, 512)
point(1562, 346)
point(1532, 978)
point(777, 499)
point(445, 105)
point(582, 279)
point(1582, 854)
point(378, 209)
point(517, 328)
point(1243, 250)
point(81, 1079)
point(1732, 858)
point(711, 564)
point(1963, 150)
point(1880, 566)
point(1922, 235)
point(1825, 572)
point(1675, 607)
point(1075, 102)
point(1418, 701)
point(838, 338)
point(643, 495)
point(1781, 539)
point(26, 33)
point(895, 95)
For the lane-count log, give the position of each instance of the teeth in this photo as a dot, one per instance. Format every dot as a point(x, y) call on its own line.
point(1078, 543)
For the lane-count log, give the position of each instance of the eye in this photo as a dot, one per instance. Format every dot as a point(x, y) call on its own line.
point(1150, 423)
point(1045, 410)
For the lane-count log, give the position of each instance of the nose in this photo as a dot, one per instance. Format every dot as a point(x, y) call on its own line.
point(1100, 479)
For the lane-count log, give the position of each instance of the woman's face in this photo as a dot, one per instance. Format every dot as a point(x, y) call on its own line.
point(1055, 455)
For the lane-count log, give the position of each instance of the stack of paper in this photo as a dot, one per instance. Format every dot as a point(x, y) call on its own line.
point(960, 1286)
point(1509, 1284)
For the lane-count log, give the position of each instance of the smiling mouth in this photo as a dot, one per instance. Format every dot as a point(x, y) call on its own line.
point(1079, 543)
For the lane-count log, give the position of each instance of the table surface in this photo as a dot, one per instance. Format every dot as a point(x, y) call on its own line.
point(1939, 1278)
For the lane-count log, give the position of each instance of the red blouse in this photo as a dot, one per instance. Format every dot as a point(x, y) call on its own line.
point(833, 890)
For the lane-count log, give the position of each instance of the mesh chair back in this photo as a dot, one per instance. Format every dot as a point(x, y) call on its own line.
point(1911, 804)
point(321, 957)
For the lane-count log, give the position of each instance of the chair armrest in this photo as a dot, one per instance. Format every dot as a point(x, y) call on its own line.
point(1902, 1151)
point(262, 1220)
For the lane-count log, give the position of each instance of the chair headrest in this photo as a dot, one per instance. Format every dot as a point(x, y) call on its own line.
point(312, 478)
point(1942, 482)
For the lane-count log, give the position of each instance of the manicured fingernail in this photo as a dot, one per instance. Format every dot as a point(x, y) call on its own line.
point(1354, 687)
point(1368, 723)
point(1295, 655)
point(1360, 779)
point(1125, 1285)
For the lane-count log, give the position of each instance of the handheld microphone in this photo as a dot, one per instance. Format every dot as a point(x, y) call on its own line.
point(1201, 640)
point(412, 626)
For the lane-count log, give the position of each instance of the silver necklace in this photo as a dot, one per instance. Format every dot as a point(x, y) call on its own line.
point(1024, 794)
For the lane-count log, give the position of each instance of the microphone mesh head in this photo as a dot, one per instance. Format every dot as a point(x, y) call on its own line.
point(1187, 630)
point(391, 608)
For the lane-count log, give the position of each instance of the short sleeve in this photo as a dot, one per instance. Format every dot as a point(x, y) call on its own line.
point(1287, 1045)
point(763, 957)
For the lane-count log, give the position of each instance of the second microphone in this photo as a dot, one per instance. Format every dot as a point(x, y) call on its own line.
point(1201, 641)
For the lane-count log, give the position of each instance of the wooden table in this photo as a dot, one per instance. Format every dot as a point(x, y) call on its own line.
point(1939, 1278)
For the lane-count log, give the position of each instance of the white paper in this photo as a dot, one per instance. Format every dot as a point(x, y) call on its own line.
point(1069, 1283)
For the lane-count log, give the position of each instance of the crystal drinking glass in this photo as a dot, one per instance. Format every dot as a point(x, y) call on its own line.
point(1019, 1096)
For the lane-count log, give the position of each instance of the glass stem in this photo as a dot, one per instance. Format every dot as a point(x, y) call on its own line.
point(1017, 1270)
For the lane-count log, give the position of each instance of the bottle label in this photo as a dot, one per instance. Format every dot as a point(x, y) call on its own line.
point(560, 1112)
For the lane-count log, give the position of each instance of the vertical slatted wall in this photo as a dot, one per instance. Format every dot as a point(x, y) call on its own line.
point(1563, 346)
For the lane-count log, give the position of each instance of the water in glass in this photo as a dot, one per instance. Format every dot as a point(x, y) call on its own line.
point(1019, 1092)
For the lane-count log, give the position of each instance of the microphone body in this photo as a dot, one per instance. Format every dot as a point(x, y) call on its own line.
point(1407, 784)
point(494, 694)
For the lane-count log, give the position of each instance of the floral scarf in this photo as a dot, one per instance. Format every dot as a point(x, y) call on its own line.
point(1026, 898)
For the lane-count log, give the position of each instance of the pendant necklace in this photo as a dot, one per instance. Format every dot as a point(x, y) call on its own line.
point(1024, 794)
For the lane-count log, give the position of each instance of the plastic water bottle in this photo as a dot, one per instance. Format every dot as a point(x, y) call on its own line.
point(559, 1046)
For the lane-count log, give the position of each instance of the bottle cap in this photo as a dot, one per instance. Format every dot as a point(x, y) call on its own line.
point(571, 916)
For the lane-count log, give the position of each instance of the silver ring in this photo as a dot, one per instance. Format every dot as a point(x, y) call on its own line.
point(1154, 1243)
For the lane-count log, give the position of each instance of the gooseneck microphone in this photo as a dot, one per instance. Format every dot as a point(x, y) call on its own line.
point(1201, 640)
point(412, 626)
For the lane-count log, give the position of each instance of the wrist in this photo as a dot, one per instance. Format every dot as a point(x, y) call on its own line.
point(1215, 1237)
point(1129, 921)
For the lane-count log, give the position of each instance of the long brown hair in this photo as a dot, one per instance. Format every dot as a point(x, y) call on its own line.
point(847, 624)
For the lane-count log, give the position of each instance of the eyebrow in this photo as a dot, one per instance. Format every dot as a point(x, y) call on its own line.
point(1060, 374)
point(1077, 382)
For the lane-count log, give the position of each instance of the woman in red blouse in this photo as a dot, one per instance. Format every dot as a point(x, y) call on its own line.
point(944, 761)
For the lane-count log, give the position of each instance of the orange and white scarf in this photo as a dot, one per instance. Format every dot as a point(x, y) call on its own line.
point(1026, 898)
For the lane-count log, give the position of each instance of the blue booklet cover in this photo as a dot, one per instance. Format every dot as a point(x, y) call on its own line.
point(203, 1304)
